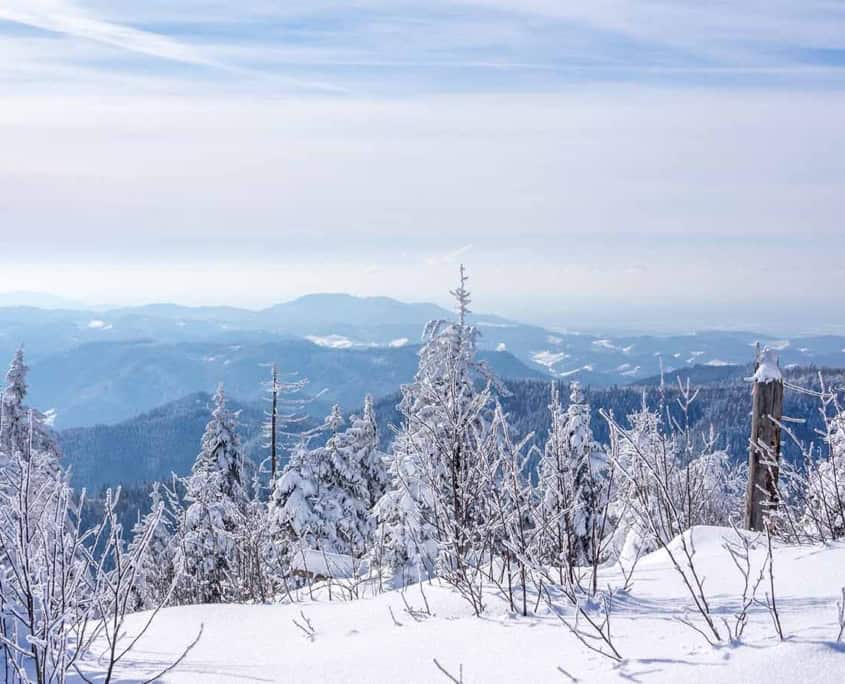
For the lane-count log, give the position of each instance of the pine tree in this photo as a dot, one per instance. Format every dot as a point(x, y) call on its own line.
point(293, 523)
point(436, 474)
point(153, 545)
point(406, 536)
point(569, 484)
point(587, 465)
point(374, 461)
point(323, 498)
point(557, 491)
point(210, 534)
point(221, 450)
point(634, 501)
point(23, 429)
point(352, 481)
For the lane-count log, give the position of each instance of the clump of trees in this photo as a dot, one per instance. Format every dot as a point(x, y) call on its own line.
point(65, 591)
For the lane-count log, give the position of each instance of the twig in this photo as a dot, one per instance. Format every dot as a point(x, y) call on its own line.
point(307, 628)
point(458, 680)
point(771, 602)
point(393, 617)
point(417, 615)
point(182, 657)
point(566, 674)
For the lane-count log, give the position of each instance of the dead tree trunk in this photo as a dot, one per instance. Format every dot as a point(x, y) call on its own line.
point(274, 412)
point(764, 449)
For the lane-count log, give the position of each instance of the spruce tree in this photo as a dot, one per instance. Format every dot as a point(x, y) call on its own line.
point(351, 482)
point(23, 429)
point(587, 467)
point(436, 478)
point(293, 518)
point(211, 531)
point(569, 485)
point(153, 543)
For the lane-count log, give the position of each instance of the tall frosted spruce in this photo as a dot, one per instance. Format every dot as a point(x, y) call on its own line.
point(353, 480)
point(568, 482)
point(428, 519)
point(20, 424)
point(216, 505)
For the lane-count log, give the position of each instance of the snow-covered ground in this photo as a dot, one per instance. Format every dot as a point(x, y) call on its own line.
point(359, 641)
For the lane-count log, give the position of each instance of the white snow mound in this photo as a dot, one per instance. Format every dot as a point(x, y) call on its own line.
point(358, 641)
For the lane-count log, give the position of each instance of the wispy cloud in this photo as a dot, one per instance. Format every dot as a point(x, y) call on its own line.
point(66, 18)
point(447, 257)
point(379, 47)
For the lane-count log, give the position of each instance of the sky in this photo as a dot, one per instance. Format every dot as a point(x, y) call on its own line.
point(597, 165)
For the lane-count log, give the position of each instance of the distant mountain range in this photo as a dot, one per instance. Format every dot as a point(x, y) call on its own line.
point(106, 366)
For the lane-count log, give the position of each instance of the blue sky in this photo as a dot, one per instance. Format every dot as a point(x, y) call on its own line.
point(625, 162)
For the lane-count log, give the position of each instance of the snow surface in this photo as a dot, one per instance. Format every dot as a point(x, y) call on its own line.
point(99, 325)
point(334, 565)
point(548, 358)
point(565, 374)
point(342, 342)
point(331, 341)
point(358, 641)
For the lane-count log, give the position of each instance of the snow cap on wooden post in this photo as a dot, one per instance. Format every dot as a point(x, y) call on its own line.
point(768, 369)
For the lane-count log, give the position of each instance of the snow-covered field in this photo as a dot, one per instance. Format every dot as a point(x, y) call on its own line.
point(359, 641)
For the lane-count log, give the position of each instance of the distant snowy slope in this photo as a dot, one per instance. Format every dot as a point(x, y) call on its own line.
point(109, 382)
point(359, 642)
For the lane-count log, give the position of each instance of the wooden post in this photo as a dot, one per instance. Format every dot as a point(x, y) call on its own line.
point(764, 450)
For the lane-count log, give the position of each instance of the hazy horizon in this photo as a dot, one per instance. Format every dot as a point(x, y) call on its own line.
point(574, 321)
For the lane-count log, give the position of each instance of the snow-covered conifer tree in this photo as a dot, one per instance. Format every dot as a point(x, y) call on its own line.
point(587, 461)
point(210, 534)
point(436, 478)
point(334, 421)
point(639, 498)
point(405, 540)
point(373, 461)
point(564, 470)
point(19, 424)
point(824, 516)
point(153, 545)
point(323, 498)
point(352, 480)
point(293, 523)
point(221, 450)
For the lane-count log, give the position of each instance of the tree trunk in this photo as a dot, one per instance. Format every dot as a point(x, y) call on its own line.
point(274, 412)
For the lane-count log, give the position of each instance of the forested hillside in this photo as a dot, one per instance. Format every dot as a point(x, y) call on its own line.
point(151, 446)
